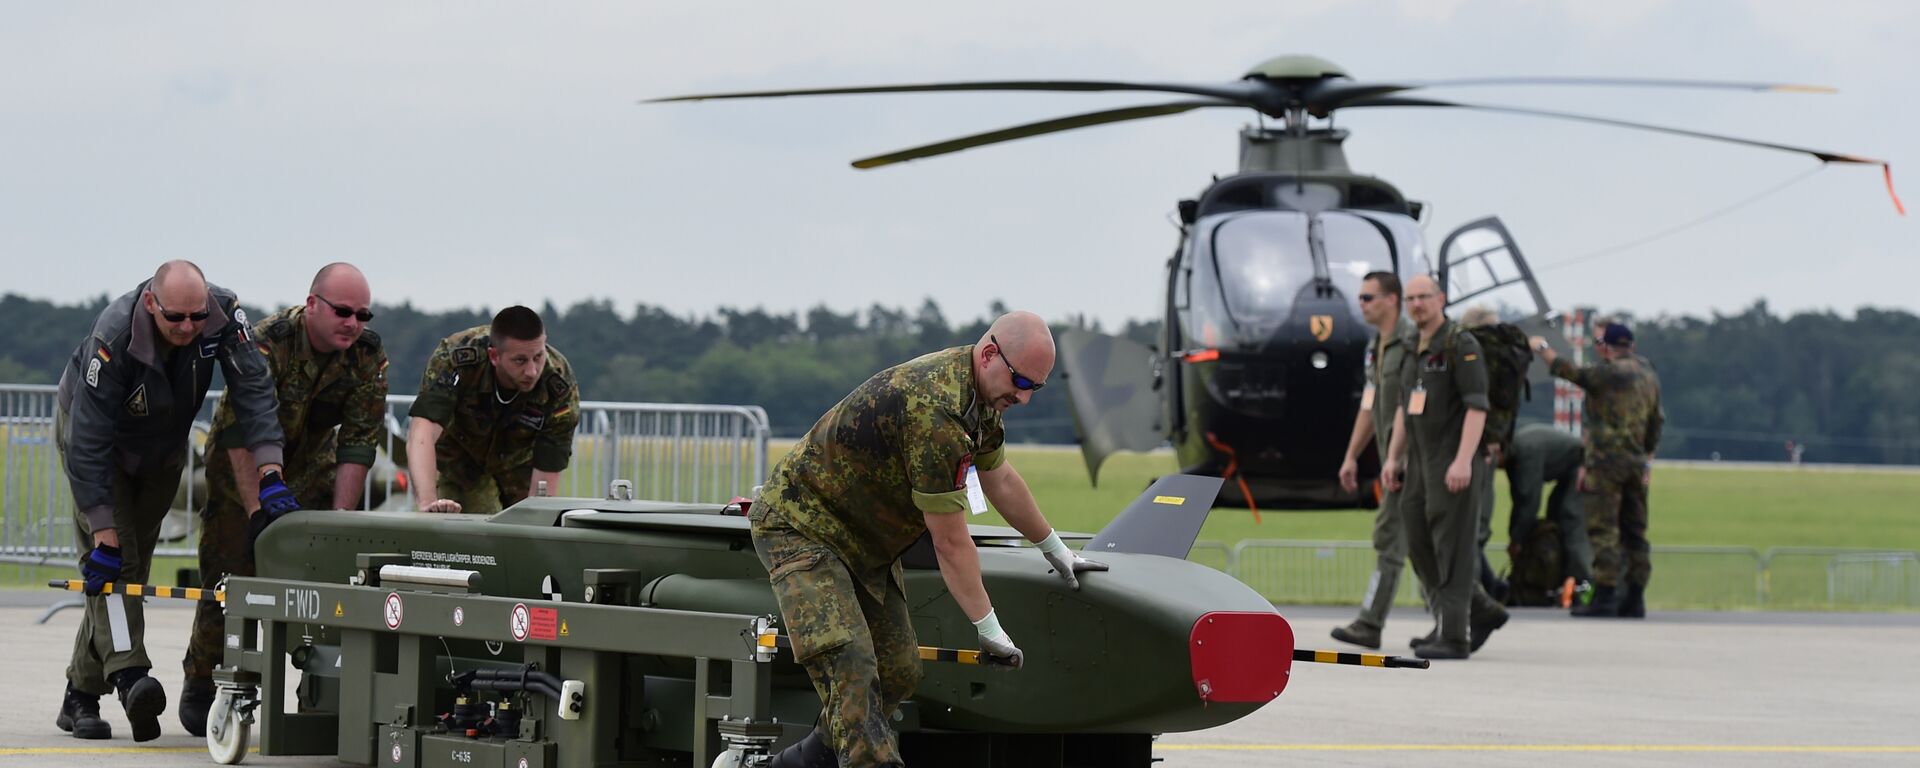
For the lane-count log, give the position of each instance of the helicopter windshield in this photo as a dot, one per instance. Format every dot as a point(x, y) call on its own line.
point(1262, 260)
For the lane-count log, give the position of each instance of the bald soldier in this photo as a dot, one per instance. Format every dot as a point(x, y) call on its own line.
point(494, 419)
point(1436, 462)
point(329, 374)
point(911, 452)
point(127, 401)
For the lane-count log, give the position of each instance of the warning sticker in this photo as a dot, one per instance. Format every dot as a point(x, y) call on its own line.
point(563, 627)
point(518, 619)
point(395, 610)
point(546, 623)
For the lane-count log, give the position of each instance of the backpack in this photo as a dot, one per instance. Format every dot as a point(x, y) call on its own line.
point(1536, 575)
point(1504, 346)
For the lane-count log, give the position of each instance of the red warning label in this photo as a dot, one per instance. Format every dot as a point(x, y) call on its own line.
point(546, 623)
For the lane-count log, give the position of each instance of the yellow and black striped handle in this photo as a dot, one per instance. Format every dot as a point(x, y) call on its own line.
point(1359, 659)
point(927, 652)
point(143, 590)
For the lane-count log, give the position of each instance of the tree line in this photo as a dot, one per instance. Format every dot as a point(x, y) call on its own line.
point(1736, 387)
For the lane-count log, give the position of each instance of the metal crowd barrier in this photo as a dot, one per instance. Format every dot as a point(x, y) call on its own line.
point(670, 451)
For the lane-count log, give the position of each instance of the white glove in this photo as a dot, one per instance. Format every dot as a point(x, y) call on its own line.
point(1065, 561)
point(996, 647)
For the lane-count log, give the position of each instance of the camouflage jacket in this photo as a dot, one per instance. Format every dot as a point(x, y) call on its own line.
point(458, 392)
point(1622, 419)
point(317, 392)
point(131, 400)
point(895, 449)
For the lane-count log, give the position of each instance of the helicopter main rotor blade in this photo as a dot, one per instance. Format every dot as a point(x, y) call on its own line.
point(1822, 155)
point(1055, 125)
point(1622, 82)
point(1237, 91)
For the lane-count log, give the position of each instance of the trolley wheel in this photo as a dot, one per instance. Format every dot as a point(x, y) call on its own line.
point(228, 729)
point(728, 759)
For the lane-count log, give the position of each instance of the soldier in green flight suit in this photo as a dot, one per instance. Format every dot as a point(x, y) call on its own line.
point(1435, 456)
point(329, 371)
point(126, 405)
point(1373, 425)
point(1621, 427)
point(494, 419)
point(908, 453)
point(1542, 454)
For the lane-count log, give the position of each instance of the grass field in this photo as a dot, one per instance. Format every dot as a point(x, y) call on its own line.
point(1756, 508)
point(1692, 506)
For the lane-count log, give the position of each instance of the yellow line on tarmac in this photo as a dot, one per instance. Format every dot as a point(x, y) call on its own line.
point(12, 751)
point(1730, 748)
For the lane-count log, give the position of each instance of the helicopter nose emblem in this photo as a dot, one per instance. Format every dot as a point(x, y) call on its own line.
point(1322, 327)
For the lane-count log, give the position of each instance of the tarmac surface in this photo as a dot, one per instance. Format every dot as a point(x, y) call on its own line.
point(1679, 689)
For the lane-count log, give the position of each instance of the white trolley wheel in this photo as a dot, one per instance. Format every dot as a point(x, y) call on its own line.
point(727, 759)
point(227, 730)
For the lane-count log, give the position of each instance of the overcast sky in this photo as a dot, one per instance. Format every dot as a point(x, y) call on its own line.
point(469, 154)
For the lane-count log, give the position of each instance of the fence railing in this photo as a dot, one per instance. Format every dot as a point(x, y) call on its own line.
point(670, 451)
point(1692, 577)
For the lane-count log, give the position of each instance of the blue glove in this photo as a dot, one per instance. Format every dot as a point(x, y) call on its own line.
point(101, 568)
point(275, 500)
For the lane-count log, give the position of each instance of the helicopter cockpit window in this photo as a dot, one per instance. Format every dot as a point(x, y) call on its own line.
point(1355, 246)
point(1259, 263)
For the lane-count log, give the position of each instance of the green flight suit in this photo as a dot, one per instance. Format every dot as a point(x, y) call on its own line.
point(1443, 379)
point(1385, 359)
point(126, 405)
point(317, 393)
point(1621, 427)
point(1542, 454)
point(835, 516)
point(489, 449)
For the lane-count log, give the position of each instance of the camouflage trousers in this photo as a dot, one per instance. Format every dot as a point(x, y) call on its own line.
point(859, 650)
point(223, 549)
point(1617, 527)
point(481, 491)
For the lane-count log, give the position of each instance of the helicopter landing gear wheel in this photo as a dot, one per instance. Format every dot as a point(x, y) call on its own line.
point(229, 727)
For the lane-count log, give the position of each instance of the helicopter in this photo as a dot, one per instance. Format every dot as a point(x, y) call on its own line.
point(1260, 365)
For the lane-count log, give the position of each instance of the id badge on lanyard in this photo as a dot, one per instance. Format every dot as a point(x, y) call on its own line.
point(1417, 399)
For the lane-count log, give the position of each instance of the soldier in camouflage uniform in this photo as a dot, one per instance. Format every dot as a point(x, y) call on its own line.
point(1373, 425)
point(494, 419)
point(908, 453)
point(1435, 455)
point(1621, 428)
point(328, 371)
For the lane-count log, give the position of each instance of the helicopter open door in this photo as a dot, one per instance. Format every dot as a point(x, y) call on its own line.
point(1114, 384)
point(1481, 265)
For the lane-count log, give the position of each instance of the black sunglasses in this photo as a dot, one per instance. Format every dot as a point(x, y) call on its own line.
point(1019, 382)
point(363, 314)
point(177, 317)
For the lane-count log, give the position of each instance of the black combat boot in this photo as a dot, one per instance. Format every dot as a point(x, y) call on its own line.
point(809, 752)
point(80, 715)
point(1358, 634)
point(1432, 635)
point(196, 697)
point(1634, 604)
point(1602, 601)
point(1443, 649)
point(143, 699)
point(1482, 625)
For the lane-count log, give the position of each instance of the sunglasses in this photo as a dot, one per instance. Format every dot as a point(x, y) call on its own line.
point(362, 314)
point(1367, 298)
point(1019, 382)
point(179, 317)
